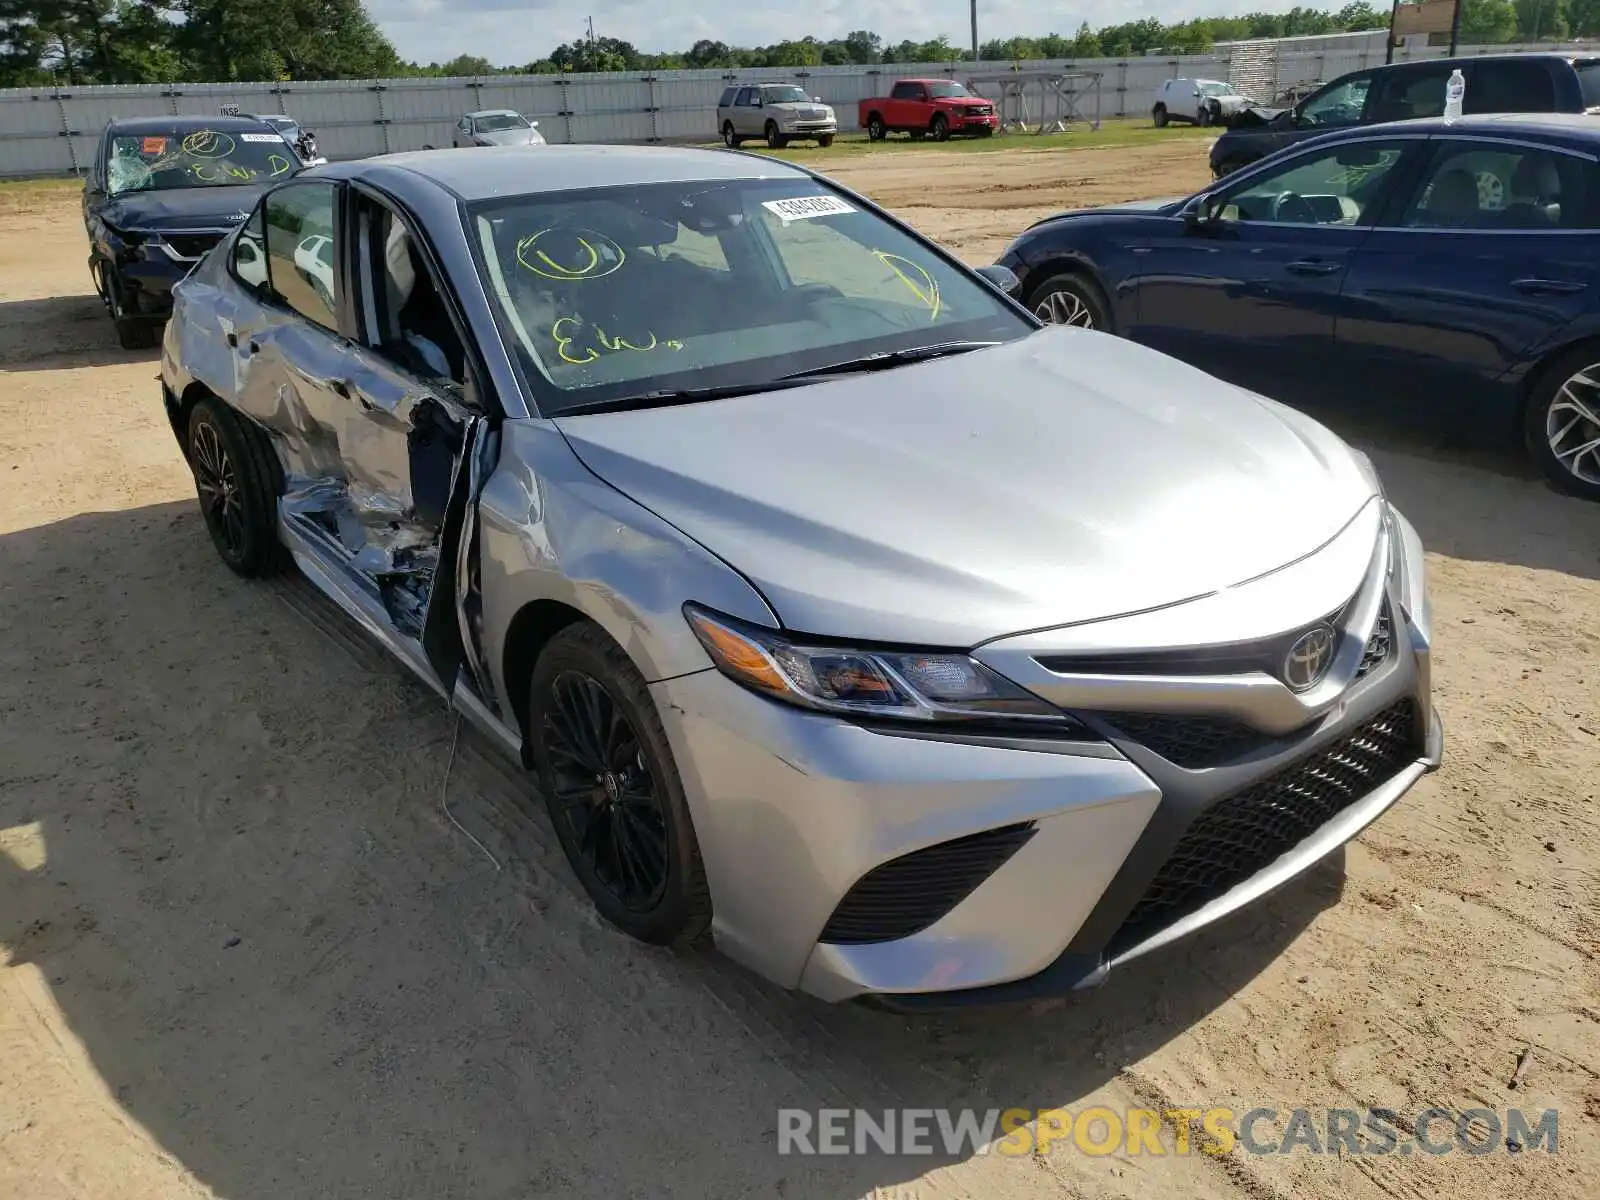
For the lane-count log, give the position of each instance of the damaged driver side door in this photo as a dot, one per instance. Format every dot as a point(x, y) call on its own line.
point(374, 437)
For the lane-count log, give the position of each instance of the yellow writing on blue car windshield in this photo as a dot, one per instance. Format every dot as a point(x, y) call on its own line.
point(215, 172)
point(578, 344)
point(921, 284)
point(208, 143)
point(566, 254)
point(278, 163)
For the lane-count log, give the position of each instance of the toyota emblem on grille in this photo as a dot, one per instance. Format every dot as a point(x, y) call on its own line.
point(1309, 658)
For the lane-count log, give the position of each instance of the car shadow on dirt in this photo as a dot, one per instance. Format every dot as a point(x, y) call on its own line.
point(293, 967)
point(61, 333)
point(1473, 493)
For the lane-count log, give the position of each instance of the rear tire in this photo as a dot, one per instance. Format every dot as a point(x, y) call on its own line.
point(876, 129)
point(1561, 422)
point(625, 811)
point(236, 478)
point(1159, 116)
point(730, 139)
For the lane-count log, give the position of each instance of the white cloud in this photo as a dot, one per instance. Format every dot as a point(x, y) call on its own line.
point(508, 31)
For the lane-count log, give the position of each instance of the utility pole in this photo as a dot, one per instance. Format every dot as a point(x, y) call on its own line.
point(591, 33)
point(1455, 28)
point(1388, 49)
point(974, 30)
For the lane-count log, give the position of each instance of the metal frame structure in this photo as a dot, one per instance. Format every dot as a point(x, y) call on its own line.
point(1057, 92)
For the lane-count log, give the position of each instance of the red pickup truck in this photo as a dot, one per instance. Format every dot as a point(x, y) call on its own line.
point(940, 107)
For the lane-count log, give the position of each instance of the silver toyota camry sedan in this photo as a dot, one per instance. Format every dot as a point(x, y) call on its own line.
point(839, 611)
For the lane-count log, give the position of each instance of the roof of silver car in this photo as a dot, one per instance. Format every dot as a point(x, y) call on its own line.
point(493, 112)
point(489, 171)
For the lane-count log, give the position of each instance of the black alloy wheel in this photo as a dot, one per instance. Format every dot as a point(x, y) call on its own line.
point(603, 789)
point(217, 482)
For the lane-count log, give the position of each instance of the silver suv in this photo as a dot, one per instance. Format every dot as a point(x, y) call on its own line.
point(778, 112)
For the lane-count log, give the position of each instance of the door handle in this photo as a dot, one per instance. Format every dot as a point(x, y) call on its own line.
point(1313, 266)
point(232, 338)
point(1549, 287)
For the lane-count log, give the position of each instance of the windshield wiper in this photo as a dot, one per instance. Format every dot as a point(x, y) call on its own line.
point(887, 358)
point(670, 396)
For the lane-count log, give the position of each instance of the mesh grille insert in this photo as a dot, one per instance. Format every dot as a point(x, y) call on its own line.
point(1236, 836)
point(907, 894)
point(1378, 645)
point(1188, 739)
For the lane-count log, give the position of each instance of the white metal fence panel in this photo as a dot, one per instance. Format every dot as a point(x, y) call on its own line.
point(53, 130)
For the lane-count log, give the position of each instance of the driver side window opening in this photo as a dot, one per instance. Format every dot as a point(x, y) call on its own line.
point(1341, 104)
point(1337, 187)
point(404, 314)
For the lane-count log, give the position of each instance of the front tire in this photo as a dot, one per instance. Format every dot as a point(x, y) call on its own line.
point(1561, 423)
point(730, 139)
point(775, 139)
point(236, 479)
point(940, 128)
point(825, 140)
point(1070, 299)
point(133, 332)
point(606, 770)
point(1207, 117)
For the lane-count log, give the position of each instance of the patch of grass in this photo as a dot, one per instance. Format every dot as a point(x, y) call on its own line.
point(23, 195)
point(1128, 132)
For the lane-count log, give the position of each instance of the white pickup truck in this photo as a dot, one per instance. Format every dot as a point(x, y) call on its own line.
point(1197, 101)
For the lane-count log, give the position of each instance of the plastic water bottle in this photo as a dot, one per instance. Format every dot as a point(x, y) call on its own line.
point(1455, 92)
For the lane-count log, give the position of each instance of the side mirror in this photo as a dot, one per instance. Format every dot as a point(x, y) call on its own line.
point(1200, 212)
point(533, 124)
point(1003, 279)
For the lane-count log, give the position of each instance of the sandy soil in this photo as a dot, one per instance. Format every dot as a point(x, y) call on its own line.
point(246, 955)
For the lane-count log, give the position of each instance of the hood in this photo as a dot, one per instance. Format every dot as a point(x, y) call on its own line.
point(1131, 206)
point(1253, 116)
point(162, 209)
point(965, 101)
point(1066, 477)
point(510, 137)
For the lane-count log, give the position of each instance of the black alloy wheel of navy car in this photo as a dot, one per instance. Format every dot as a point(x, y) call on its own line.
point(1070, 299)
point(1561, 422)
point(876, 129)
point(940, 128)
point(775, 139)
point(132, 333)
point(730, 139)
point(236, 478)
point(606, 770)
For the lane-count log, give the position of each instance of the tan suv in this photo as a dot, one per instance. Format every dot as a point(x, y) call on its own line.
point(779, 112)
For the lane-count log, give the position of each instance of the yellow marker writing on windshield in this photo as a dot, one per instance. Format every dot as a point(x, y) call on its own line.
point(591, 255)
point(278, 163)
point(922, 285)
point(564, 343)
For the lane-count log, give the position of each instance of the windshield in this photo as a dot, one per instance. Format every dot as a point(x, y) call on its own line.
point(495, 122)
point(186, 158)
point(940, 90)
point(784, 95)
point(1216, 89)
point(613, 292)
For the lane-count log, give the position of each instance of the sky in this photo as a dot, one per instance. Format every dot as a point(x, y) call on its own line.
point(509, 32)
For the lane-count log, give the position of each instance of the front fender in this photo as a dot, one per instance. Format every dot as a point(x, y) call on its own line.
point(551, 530)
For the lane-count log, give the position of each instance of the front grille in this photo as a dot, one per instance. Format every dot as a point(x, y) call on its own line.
point(1190, 740)
point(1239, 835)
point(1378, 645)
point(907, 894)
point(191, 245)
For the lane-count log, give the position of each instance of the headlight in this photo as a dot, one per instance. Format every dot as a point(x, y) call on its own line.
point(892, 684)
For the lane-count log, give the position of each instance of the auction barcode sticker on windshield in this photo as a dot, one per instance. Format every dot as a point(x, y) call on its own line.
point(261, 137)
point(799, 208)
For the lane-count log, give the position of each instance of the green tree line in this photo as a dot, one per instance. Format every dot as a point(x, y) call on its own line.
point(159, 41)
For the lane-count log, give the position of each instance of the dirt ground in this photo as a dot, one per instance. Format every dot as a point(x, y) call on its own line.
point(246, 955)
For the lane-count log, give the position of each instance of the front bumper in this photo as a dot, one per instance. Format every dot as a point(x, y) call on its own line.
point(806, 822)
point(983, 121)
point(806, 129)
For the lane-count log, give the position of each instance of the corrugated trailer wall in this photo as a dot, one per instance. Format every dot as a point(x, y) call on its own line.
point(51, 131)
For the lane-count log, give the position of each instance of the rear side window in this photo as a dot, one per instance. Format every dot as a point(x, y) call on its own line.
point(1589, 81)
point(1408, 95)
point(301, 250)
point(727, 97)
point(1498, 87)
point(906, 91)
point(1505, 186)
point(746, 97)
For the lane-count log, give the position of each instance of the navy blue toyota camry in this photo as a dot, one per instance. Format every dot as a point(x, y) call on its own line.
point(1451, 265)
